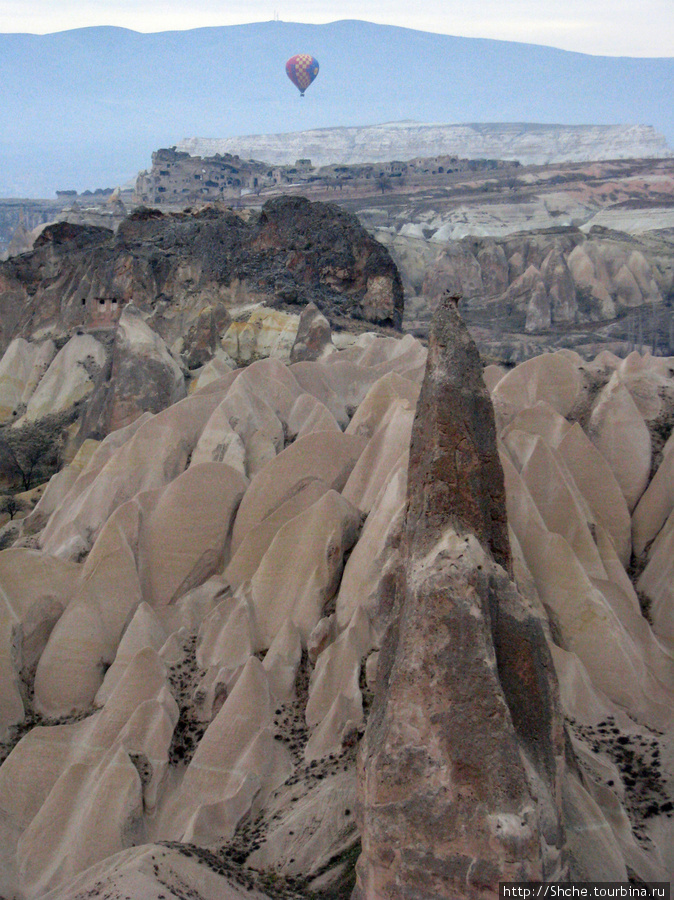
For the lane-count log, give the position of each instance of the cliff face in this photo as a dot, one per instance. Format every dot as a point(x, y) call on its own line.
point(528, 143)
point(461, 763)
point(138, 312)
point(20, 215)
point(173, 267)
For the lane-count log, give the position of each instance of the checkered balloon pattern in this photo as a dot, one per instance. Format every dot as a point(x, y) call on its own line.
point(301, 69)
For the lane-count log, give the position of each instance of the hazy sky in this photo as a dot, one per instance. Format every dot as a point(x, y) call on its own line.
point(606, 27)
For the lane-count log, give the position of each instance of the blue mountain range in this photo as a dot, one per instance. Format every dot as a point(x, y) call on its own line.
point(86, 108)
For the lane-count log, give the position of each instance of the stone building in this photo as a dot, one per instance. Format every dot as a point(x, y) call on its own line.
point(178, 178)
point(102, 312)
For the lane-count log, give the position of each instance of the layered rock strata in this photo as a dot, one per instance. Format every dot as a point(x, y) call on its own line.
point(529, 143)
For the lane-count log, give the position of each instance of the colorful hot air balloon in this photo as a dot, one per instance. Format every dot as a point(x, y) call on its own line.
point(301, 69)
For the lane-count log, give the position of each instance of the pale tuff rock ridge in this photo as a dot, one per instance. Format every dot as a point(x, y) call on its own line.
point(537, 144)
point(213, 595)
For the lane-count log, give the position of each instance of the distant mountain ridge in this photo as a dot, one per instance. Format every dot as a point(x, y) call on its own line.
point(85, 108)
point(531, 144)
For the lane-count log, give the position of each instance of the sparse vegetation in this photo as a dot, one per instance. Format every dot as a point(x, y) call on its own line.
point(384, 183)
point(10, 505)
point(32, 452)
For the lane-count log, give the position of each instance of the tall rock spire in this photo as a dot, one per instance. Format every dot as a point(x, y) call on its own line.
point(461, 763)
point(454, 473)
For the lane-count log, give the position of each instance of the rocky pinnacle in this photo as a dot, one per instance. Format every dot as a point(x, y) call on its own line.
point(454, 471)
point(461, 763)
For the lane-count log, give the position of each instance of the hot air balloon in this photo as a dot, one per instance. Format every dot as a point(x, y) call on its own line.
point(301, 69)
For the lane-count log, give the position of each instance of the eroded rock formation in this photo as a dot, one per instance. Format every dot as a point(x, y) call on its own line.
point(463, 754)
point(103, 327)
point(550, 287)
point(196, 614)
point(527, 143)
point(199, 653)
point(174, 267)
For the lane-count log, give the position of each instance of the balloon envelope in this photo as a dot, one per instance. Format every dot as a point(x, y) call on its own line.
point(301, 69)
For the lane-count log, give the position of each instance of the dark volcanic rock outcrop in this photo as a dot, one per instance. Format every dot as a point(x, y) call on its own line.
point(135, 313)
point(318, 251)
point(460, 768)
point(172, 267)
